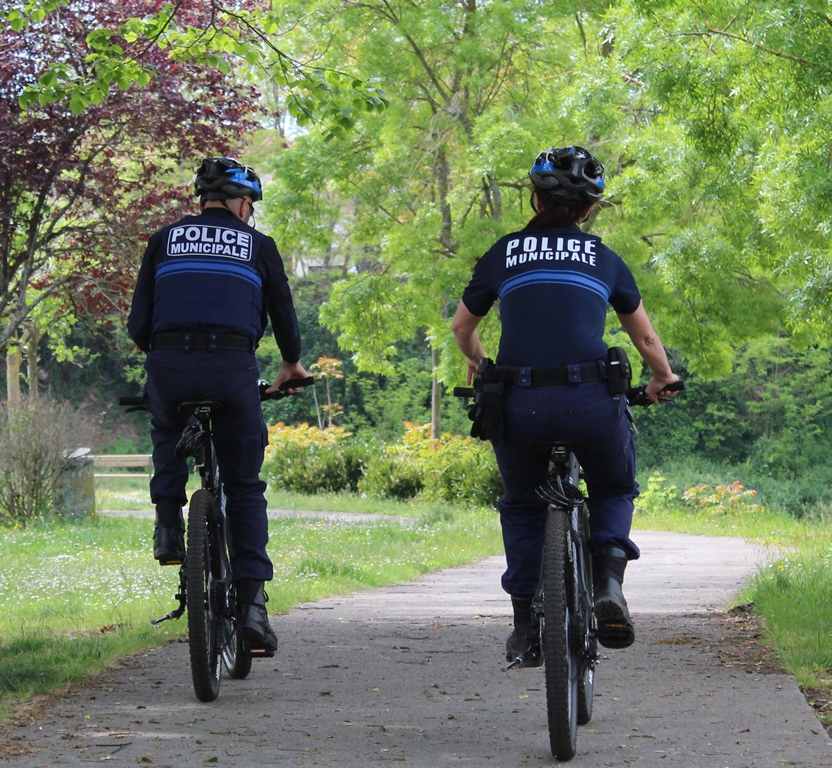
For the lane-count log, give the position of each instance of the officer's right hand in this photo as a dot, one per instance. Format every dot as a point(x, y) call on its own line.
point(287, 372)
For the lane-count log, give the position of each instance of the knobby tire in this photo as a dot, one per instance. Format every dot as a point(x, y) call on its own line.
point(559, 649)
point(203, 611)
point(587, 643)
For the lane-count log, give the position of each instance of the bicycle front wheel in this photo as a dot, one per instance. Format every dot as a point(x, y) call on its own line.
point(559, 652)
point(204, 614)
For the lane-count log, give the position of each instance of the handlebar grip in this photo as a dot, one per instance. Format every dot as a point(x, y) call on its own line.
point(297, 383)
point(463, 392)
point(638, 395)
point(280, 392)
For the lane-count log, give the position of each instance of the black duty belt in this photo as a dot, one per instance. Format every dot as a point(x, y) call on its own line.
point(203, 341)
point(548, 377)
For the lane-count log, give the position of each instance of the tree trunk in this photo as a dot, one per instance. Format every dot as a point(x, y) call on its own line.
point(13, 365)
point(32, 362)
point(435, 398)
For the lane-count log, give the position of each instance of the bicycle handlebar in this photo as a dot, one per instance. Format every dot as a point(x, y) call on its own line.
point(280, 393)
point(139, 402)
point(638, 395)
point(635, 396)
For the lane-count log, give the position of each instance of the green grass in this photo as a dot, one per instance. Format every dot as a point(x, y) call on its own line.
point(77, 595)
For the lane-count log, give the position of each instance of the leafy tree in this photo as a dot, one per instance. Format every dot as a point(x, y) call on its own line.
point(717, 117)
point(414, 197)
point(80, 190)
point(125, 47)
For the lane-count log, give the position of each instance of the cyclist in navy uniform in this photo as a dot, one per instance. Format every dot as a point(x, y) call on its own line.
point(554, 283)
point(207, 286)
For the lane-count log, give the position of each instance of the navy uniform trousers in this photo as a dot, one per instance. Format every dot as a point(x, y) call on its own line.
point(240, 437)
point(596, 425)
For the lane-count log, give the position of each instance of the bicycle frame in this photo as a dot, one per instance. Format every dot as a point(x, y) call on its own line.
point(563, 605)
point(196, 442)
point(564, 597)
point(212, 637)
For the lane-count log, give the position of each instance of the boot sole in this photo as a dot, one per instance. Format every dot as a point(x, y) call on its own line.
point(615, 630)
point(257, 644)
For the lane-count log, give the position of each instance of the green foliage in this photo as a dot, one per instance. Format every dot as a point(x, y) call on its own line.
point(241, 40)
point(391, 475)
point(309, 459)
point(451, 469)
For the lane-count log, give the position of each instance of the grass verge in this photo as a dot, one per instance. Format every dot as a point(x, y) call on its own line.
point(792, 593)
point(76, 596)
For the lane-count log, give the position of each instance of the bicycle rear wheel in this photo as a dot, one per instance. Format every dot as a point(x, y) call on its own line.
point(561, 661)
point(204, 613)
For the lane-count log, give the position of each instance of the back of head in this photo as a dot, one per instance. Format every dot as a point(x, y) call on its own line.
point(568, 172)
point(221, 178)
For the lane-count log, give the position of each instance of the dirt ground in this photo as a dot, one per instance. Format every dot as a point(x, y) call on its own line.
point(410, 675)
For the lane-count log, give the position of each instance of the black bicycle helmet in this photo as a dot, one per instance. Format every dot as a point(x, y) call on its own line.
point(569, 172)
point(220, 178)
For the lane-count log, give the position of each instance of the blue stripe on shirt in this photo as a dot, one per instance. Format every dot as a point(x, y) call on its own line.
point(194, 266)
point(559, 277)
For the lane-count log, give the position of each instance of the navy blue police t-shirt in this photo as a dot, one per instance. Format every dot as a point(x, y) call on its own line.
point(554, 286)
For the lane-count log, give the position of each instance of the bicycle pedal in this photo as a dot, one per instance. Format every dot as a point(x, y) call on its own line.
point(615, 634)
point(260, 653)
point(170, 562)
point(532, 661)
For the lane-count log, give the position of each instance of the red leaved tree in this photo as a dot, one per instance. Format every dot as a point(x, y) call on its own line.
point(79, 193)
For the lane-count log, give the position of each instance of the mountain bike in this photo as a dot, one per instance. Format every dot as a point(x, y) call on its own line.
point(563, 605)
point(205, 587)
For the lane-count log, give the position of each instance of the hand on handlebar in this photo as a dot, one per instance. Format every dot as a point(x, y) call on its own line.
point(288, 372)
point(640, 396)
point(661, 389)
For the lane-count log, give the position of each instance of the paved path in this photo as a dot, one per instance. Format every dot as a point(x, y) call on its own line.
point(409, 675)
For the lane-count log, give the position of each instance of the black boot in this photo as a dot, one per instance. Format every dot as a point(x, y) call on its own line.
point(524, 641)
point(615, 627)
point(252, 619)
point(169, 533)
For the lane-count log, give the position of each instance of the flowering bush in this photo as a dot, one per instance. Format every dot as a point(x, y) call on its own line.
point(730, 499)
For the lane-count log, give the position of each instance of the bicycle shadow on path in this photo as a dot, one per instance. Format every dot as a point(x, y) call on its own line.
point(410, 675)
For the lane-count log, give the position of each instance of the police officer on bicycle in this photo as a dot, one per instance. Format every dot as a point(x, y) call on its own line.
point(207, 286)
point(554, 283)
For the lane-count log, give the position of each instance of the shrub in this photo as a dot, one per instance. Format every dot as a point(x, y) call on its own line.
point(391, 475)
point(451, 468)
point(308, 459)
point(36, 437)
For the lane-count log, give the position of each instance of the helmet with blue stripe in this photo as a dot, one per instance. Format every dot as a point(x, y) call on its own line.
point(569, 172)
point(221, 178)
